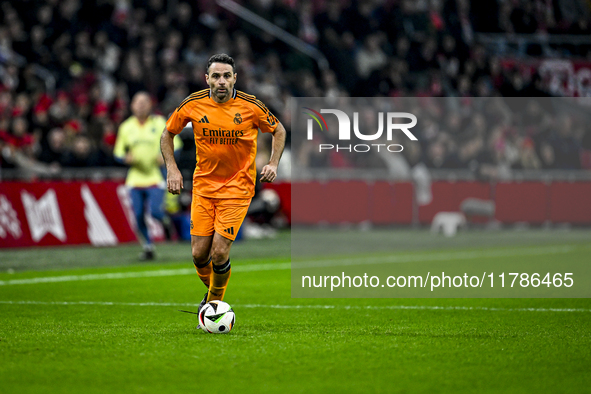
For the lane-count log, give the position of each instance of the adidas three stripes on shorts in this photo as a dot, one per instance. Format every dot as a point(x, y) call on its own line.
point(222, 215)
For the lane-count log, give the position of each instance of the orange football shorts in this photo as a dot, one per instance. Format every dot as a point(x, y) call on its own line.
point(222, 215)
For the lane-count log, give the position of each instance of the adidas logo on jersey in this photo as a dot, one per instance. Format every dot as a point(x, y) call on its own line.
point(229, 230)
point(204, 120)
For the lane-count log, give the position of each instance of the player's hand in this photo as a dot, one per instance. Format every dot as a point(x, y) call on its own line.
point(129, 159)
point(268, 173)
point(174, 181)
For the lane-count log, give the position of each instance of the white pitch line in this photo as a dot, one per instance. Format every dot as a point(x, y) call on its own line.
point(407, 258)
point(113, 275)
point(439, 256)
point(356, 307)
point(140, 274)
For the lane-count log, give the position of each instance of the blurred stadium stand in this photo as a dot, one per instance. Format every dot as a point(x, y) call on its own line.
point(69, 67)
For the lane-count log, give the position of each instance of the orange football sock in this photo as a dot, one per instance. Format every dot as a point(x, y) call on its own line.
point(204, 272)
point(219, 282)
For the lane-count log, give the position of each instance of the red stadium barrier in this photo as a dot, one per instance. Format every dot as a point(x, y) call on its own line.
point(60, 213)
point(383, 203)
point(391, 202)
point(539, 202)
point(348, 201)
point(64, 213)
point(522, 202)
point(341, 202)
point(570, 202)
point(447, 196)
point(308, 203)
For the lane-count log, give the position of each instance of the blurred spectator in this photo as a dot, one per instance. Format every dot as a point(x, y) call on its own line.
point(82, 153)
point(196, 53)
point(547, 156)
point(528, 159)
point(55, 152)
point(522, 18)
point(61, 111)
point(370, 57)
point(337, 42)
point(566, 148)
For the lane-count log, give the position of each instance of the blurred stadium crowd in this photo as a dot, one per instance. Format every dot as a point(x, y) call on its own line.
point(69, 67)
point(490, 136)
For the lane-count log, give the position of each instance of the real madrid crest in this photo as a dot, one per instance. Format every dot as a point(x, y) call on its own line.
point(238, 119)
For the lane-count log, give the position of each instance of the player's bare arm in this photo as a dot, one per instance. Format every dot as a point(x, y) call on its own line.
point(269, 172)
point(174, 179)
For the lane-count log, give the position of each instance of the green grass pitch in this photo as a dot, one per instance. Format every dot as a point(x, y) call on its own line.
point(111, 325)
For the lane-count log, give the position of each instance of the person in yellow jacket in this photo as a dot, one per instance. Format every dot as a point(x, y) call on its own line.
point(138, 146)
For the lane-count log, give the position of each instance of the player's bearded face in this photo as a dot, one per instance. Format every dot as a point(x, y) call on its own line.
point(221, 79)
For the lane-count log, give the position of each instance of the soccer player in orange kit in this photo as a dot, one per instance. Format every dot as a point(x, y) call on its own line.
point(225, 124)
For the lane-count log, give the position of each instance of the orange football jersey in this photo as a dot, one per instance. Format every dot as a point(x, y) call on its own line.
point(225, 139)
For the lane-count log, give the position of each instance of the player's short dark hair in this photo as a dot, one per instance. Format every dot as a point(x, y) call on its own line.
point(220, 58)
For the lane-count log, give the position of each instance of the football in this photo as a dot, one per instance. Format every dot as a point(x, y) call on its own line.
point(216, 317)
